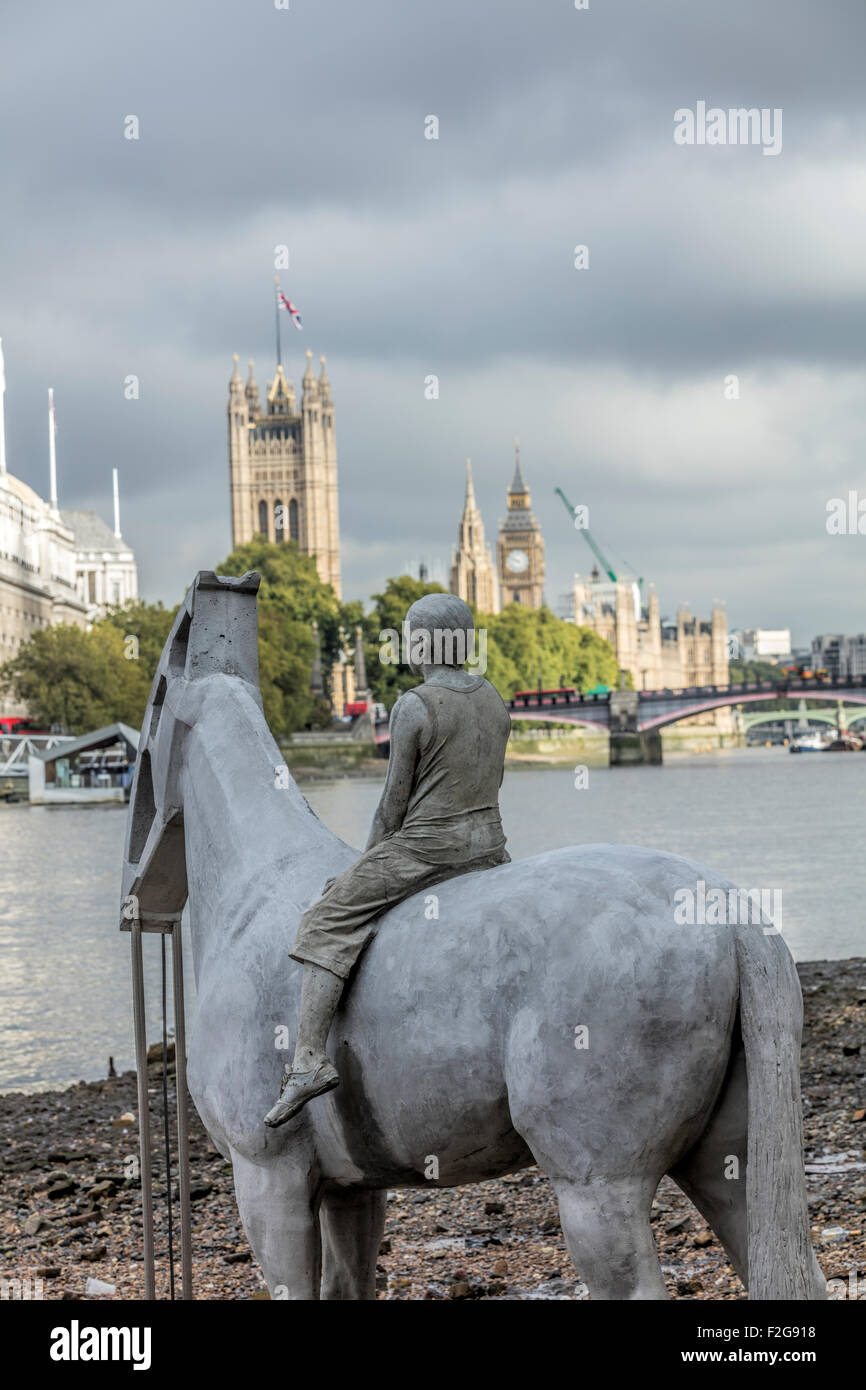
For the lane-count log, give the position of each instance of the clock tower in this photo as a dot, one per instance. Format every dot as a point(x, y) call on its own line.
point(521, 546)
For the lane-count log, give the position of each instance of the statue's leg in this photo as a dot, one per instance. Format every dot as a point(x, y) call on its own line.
point(607, 1230)
point(320, 995)
point(713, 1172)
point(278, 1204)
point(352, 1222)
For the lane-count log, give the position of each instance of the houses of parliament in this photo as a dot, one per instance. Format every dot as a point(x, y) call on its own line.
point(283, 465)
point(517, 576)
point(283, 486)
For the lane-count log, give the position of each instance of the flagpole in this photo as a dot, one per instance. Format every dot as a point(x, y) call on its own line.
point(2, 412)
point(277, 313)
point(52, 450)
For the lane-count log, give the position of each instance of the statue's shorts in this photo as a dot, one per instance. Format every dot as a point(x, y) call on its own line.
point(335, 930)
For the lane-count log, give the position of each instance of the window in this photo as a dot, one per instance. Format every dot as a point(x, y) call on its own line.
point(279, 522)
point(263, 519)
point(294, 525)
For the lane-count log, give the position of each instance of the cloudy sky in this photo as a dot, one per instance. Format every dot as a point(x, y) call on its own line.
point(454, 257)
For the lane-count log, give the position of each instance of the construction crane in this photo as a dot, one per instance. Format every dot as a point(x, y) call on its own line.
point(596, 550)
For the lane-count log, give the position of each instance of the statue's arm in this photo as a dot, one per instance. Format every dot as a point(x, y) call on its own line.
point(407, 720)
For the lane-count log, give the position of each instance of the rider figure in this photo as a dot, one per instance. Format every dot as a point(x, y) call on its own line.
point(438, 817)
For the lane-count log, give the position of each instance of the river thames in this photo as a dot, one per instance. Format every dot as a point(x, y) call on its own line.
point(761, 817)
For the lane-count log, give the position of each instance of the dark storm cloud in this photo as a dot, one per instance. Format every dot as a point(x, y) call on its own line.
point(454, 256)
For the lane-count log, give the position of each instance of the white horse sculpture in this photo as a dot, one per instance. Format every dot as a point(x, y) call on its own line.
point(457, 1043)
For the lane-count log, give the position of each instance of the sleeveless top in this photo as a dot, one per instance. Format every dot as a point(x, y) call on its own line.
point(453, 811)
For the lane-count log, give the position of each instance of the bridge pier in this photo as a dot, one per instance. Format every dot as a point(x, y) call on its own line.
point(638, 747)
point(628, 743)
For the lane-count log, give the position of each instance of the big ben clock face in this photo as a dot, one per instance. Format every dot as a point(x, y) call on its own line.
point(517, 561)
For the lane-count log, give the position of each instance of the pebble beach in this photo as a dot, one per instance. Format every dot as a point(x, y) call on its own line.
point(70, 1206)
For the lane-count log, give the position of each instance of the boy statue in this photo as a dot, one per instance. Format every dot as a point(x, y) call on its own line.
point(438, 817)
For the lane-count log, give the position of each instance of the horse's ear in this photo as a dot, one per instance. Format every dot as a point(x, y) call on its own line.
point(222, 632)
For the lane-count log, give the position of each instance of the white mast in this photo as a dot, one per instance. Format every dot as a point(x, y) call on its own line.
point(2, 413)
point(116, 504)
point(52, 455)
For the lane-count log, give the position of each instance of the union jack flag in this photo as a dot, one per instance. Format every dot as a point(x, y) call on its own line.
point(286, 303)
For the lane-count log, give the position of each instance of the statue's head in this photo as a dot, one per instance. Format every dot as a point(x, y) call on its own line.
point(438, 631)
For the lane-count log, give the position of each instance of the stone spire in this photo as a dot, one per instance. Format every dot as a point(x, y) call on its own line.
point(472, 572)
point(310, 385)
point(316, 683)
point(360, 665)
point(470, 504)
point(517, 483)
point(235, 382)
point(324, 384)
point(281, 395)
point(252, 392)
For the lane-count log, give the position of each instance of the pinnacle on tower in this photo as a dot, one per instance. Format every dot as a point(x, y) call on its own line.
point(470, 488)
point(360, 663)
point(310, 385)
point(252, 390)
point(324, 384)
point(235, 376)
point(281, 395)
point(317, 686)
point(517, 483)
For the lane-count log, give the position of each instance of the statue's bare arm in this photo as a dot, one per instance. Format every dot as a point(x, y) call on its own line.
point(407, 720)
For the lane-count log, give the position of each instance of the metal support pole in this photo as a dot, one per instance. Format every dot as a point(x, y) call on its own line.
point(182, 1108)
point(143, 1107)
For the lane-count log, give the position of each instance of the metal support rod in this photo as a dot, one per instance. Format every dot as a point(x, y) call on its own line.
point(143, 1107)
point(182, 1108)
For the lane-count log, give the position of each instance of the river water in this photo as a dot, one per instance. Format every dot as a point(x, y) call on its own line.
point(760, 816)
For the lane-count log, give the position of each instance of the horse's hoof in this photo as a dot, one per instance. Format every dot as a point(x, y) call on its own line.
point(299, 1087)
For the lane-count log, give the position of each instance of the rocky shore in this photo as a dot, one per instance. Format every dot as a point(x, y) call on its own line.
point(70, 1200)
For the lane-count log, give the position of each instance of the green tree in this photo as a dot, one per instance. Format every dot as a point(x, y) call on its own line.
point(291, 597)
point(528, 645)
point(523, 645)
point(77, 680)
point(149, 624)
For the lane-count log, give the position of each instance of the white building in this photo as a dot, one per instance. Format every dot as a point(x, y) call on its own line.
point(47, 556)
point(771, 644)
point(105, 569)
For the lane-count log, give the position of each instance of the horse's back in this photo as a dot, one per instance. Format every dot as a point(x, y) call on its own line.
point(561, 983)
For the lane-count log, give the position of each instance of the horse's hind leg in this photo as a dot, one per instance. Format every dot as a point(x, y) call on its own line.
point(713, 1172)
point(607, 1230)
point(352, 1222)
point(279, 1213)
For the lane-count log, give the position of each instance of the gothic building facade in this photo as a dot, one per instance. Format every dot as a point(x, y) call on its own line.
point(283, 465)
point(658, 654)
point(473, 576)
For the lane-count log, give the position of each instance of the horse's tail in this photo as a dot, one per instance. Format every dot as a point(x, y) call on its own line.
point(781, 1261)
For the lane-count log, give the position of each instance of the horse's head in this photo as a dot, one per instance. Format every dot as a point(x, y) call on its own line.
point(214, 633)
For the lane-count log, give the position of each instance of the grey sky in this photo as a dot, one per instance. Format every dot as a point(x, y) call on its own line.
point(453, 257)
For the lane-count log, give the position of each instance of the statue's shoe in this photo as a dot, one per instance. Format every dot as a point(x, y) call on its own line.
point(298, 1088)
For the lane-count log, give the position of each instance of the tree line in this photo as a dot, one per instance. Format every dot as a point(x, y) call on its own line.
point(76, 680)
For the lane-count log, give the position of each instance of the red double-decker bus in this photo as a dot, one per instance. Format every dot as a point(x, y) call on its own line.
point(15, 724)
point(545, 694)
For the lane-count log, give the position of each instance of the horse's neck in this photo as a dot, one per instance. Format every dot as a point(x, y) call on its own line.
point(247, 827)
